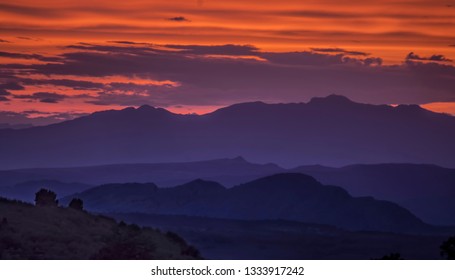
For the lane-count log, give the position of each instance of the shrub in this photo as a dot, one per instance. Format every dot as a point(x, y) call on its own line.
point(77, 204)
point(448, 248)
point(46, 197)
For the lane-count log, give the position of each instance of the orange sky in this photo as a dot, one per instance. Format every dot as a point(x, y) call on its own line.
point(386, 29)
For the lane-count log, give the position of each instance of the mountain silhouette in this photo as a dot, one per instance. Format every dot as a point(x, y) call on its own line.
point(229, 172)
point(330, 131)
point(426, 190)
point(288, 196)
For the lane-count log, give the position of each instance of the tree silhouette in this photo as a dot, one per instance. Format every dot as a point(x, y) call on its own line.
point(77, 204)
point(448, 248)
point(46, 197)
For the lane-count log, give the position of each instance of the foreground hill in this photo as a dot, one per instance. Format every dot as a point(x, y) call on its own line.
point(34, 232)
point(329, 131)
point(290, 196)
point(426, 190)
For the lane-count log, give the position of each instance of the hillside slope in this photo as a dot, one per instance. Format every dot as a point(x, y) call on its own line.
point(37, 232)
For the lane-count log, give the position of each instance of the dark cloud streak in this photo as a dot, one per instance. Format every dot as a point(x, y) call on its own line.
point(179, 19)
point(44, 97)
point(4, 92)
point(228, 49)
point(435, 57)
point(28, 56)
point(339, 50)
point(23, 119)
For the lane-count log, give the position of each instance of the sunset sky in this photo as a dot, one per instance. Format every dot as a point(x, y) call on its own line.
point(62, 59)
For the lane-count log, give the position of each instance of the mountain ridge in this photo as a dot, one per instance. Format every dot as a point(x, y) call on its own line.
point(287, 196)
point(426, 190)
point(331, 131)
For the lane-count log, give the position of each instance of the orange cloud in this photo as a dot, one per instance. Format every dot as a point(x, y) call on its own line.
point(379, 26)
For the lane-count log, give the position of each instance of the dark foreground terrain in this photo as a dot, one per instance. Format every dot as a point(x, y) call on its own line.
point(235, 239)
point(45, 232)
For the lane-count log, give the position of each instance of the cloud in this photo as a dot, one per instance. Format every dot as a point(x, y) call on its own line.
point(106, 98)
point(19, 55)
point(11, 86)
point(310, 58)
point(29, 11)
point(4, 92)
point(225, 74)
point(109, 48)
point(6, 87)
point(44, 97)
point(179, 19)
point(434, 58)
point(34, 118)
point(339, 50)
point(125, 42)
point(28, 56)
point(74, 84)
point(357, 14)
point(372, 61)
point(4, 41)
point(24, 38)
point(228, 49)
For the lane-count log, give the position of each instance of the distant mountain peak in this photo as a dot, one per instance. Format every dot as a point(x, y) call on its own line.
point(151, 109)
point(202, 185)
point(285, 179)
point(291, 177)
point(126, 109)
point(333, 99)
point(239, 159)
point(146, 107)
point(242, 107)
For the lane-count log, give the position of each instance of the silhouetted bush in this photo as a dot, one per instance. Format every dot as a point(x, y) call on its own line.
point(77, 204)
point(448, 248)
point(46, 198)
point(192, 252)
point(134, 228)
point(176, 238)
